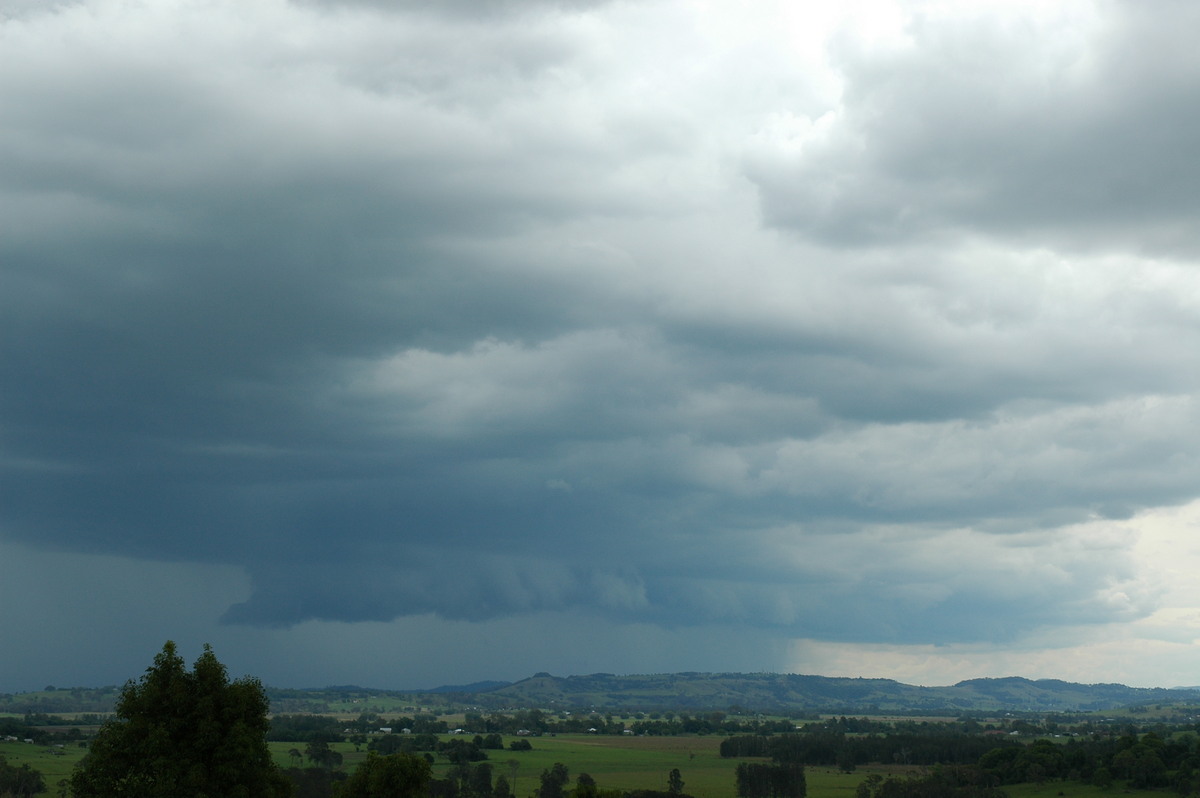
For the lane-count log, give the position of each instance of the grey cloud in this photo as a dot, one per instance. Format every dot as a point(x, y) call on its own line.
point(1075, 130)
point(79, 595)
point(404, 334)
point(421, 579)
point(456, 8)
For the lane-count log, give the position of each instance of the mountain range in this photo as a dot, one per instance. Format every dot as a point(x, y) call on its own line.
point(793, 692)
point(774, 693)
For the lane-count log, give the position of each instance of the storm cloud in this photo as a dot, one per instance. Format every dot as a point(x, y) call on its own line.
point(662, 316)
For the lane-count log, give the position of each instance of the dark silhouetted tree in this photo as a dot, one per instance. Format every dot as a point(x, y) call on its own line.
point(20, 782)
point(784, 780)
point(585, 786)
point(394, 776)
point(514, 765)
point(314, 782)
point(183, 733)
point(553, 781)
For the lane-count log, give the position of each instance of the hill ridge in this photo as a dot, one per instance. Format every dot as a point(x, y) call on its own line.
point(789, 691)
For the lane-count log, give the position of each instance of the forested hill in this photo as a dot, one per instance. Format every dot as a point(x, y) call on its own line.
point(771, 691)
point(739, 692)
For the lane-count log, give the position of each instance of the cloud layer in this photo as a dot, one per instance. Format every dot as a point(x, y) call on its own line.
point(649, 313)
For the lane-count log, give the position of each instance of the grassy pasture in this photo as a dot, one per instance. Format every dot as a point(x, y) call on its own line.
point(626, 762)
point(615, 762)
point(1074, 789)
point(54, 766)
point(644, 762)
point(350, 757)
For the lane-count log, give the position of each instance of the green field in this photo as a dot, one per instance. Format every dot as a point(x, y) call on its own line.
point(54, 763)
point(626, 762)
point(614, 762)
point(644, 762)
point(1073, 789)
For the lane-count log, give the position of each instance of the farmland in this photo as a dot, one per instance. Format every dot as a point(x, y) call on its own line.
point(616, 762)
point(1027, 753)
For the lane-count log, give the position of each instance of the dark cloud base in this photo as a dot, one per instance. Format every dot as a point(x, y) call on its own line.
point(390, 331)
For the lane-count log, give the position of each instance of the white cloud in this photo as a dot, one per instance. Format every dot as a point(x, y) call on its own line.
point(1149, 649)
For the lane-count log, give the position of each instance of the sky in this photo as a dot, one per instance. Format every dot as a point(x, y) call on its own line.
point(405, 344)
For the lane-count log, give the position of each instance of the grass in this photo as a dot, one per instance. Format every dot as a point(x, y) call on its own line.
point(614, 762)
point(627, 762)
point(1075, 789)
point(55, 764)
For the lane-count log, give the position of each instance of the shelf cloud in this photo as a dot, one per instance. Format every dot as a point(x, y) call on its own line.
point(874, 328)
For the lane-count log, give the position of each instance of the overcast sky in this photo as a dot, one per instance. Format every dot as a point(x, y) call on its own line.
point(405, 344)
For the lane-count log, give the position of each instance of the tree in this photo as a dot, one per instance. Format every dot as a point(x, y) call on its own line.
point(553, 781)
point(675, 782)
point(585, 786)
point(317, 751)
point(21, 782)
point(394, 776)
point(514, 765)
point(784, 780)
point(479, 781)
point(314, 782)
point(753, 780)
point(461, 751)
point(178, 733)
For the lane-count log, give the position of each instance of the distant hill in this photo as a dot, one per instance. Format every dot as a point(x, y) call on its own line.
point(474, 687)
point(773, 691)
point(690, 692)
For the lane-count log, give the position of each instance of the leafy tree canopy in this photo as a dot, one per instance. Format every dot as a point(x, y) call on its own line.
point(178, 732)
point(395, 776)
point(20, 781)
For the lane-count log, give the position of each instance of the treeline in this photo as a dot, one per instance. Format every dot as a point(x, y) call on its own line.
point(554, 782)
point(777, 780)
point(667, 724)
point(847, 752)
point(1144, 761)
point(940, 782)
point(455, 749)
point(20, 782)
point(782, 778)
point(532, 722)
point(706, 724)
point(410, 776)
point(54, 701)
point(304, 727)
point(11, 727)
point(318, 729)
point(978, 765)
